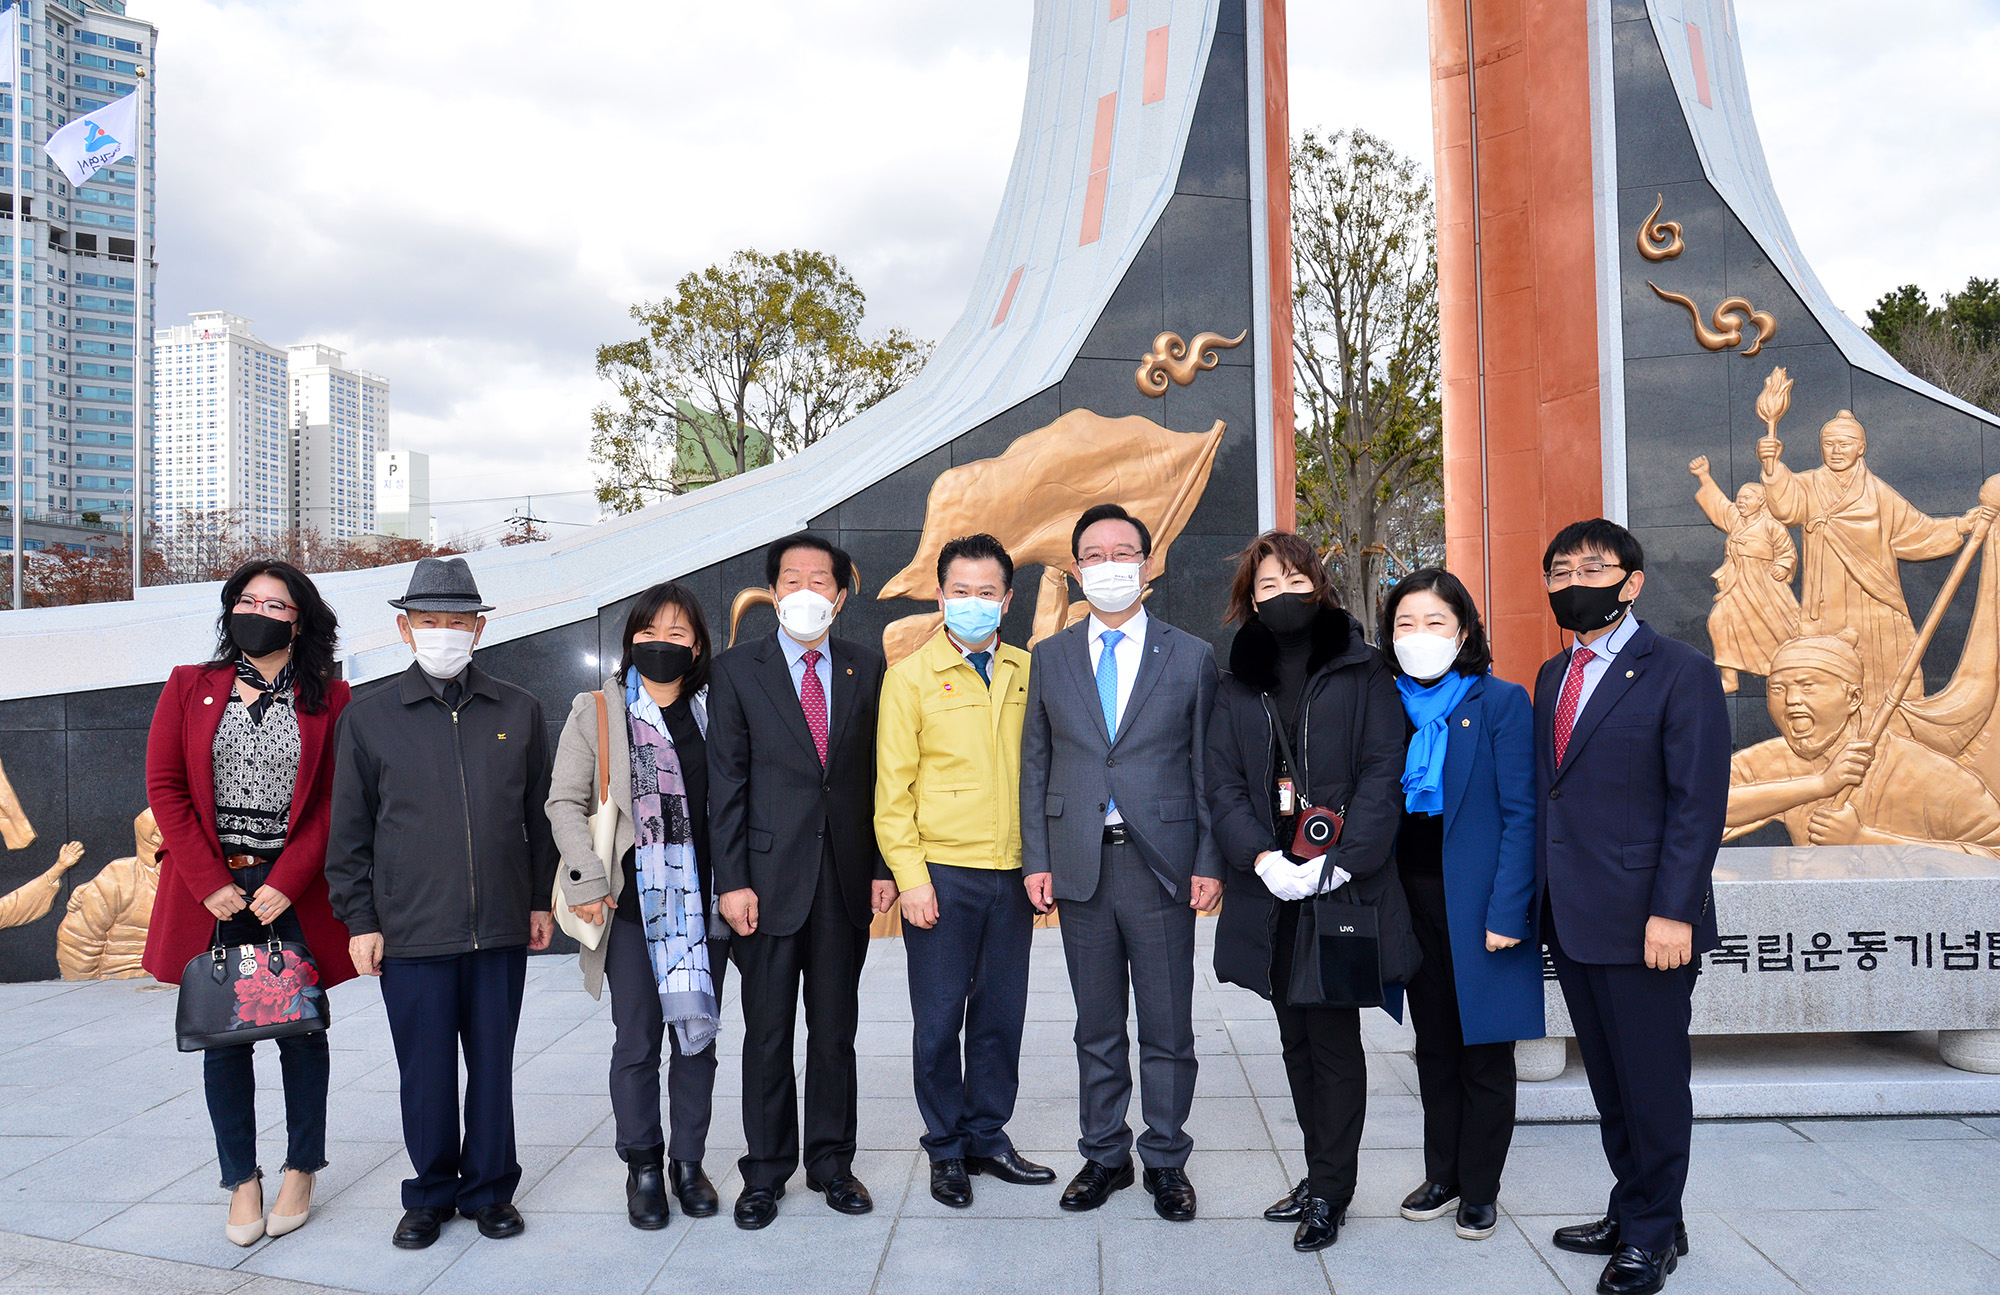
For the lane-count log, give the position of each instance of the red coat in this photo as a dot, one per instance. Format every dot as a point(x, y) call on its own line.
point(180, 782)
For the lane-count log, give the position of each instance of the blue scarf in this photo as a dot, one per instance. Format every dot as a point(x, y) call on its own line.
point(1429, 706)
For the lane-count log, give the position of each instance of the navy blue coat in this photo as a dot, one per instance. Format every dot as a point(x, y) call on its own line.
point(1631, 823)
point(1489, 862)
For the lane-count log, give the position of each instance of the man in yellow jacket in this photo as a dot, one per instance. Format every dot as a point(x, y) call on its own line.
point(947, 817)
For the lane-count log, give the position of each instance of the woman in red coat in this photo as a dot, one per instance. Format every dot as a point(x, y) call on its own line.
point(239, 769)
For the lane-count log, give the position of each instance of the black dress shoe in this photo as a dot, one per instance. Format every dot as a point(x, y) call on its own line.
point(1633, 1271)
point(757, 1206)
point(697, 1194)
point(1173, 1194)
point(846, 1194)
point(419, 1227)
point(646, 1191)
point(949, 1184)
point(1319, 1225)
point(1601, 1238)
point(1477, 1222)
point(1293, 1207)
point(1431, 1201)
point(498, 1221)
point(1008, 1167)
point(1094, 1184)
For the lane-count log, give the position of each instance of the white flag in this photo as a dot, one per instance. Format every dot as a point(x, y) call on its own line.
point(10, 40)
point(96, 139)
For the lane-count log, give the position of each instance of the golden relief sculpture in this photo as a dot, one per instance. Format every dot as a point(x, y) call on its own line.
point(1030, 496)
point(1863, 756)
point(15, 829)
point(1171, 358)
point(1660, 240)
point(27, 902)
point(103, 934)
point(1730, 316)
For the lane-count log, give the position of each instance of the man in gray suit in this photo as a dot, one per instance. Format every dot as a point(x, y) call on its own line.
point(1114, 826)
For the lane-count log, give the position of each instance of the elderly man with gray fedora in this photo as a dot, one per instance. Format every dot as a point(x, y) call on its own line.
point(440, 862)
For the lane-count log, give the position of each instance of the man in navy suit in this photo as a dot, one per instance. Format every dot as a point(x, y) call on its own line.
point(1632, 768)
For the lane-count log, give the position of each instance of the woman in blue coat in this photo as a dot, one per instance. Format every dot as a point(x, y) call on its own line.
point(1466, 856)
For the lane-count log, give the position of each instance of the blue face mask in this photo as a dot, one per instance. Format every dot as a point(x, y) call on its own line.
point(973, 620)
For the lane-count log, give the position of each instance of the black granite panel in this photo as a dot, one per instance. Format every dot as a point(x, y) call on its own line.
point(896, 503)
point(1195, 592)
point(1822, 386)
point(37, 767)
point(1628, 10)
point(1654, 147)
point(1678, 592)
point(1216, 161)
point(1135, 314)
point(1107, 387)
point(1932, 454)
point(1229, 505)
point(1205, 267)
point(1676, 407)
point(31, 713)
point(114, 707)
point(991, 438)
point(554, 664)
point(1653, 326)
point(1229, 17)
point(106, 769)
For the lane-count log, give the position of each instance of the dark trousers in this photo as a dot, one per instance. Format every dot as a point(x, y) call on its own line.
point(435, 1007)
point(1632, 1028)
point(827, 952)
point(1328, 1073)
point(1132, 942)
point(230, 1079)
point(641, 1033)
point(970, 971)
point(1468, 1089)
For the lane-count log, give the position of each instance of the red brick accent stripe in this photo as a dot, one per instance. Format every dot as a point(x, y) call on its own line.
point(1156, 66)
point(1007, 297)
point(1100, 170)
point(1700, 57)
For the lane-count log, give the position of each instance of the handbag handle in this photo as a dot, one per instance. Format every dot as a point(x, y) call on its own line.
point(603, 749)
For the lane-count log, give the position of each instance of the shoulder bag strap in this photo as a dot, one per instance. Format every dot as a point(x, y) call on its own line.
point(603, 749)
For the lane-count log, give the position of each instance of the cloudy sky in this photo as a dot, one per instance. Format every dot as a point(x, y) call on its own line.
point(468, 198)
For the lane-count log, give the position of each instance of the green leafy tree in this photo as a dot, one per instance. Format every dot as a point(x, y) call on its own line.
point(1365, 358)
point(745, 361)
point(1955, 347)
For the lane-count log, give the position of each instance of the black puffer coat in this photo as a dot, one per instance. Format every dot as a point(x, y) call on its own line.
point(1357, 736)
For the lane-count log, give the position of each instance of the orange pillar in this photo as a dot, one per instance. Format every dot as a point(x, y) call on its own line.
point(1278, 197)
point(1517, 302)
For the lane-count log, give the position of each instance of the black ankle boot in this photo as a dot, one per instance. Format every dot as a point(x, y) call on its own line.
point(646, 1189)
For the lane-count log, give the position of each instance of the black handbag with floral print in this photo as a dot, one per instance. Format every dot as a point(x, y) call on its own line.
point(245, 992)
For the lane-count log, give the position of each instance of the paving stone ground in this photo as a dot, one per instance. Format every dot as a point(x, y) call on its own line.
point(108, 1175)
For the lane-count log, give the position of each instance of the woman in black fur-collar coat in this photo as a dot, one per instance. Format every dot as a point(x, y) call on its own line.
point(1301, 661)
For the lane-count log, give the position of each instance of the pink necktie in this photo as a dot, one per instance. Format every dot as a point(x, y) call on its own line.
point(812, 697)
point(1572, 693)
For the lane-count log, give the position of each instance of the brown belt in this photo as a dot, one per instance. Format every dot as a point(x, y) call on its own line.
point(237, 862)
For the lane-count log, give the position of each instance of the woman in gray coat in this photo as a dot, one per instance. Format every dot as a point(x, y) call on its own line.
point(658, 896)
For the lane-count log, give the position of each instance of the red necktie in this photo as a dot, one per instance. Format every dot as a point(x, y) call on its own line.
point(1572, 693)
point(812, 698)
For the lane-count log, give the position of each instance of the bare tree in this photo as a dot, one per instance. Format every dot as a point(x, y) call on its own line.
point(1365, 354)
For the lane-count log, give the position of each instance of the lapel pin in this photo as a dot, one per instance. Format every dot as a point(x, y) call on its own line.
point(1465, 723)
point(850, 669)
point(1628, 674)
point(208, 701)
point(503, 737)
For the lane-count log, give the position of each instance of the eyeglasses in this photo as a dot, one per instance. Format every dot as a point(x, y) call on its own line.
point(1126, 555)
point(266, 606)
point(1588, 572)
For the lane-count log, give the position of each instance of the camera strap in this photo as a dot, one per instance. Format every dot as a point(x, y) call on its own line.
point(1285, 748)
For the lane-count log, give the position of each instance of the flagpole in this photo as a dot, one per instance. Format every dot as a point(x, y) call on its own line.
point(20, 224)
point(142, 350)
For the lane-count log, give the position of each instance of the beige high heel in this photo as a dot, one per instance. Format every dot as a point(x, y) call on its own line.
point(278, 1225)
point(248, 1234)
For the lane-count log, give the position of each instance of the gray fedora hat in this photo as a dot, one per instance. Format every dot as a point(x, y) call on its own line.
point(441, 585)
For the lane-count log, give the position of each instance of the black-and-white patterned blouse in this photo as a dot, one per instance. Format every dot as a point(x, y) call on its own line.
point(256, 767)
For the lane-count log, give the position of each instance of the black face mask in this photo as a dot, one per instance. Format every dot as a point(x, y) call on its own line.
point(1583, 608)
point(662, 662)
point(1288, 613)
point(257, 635)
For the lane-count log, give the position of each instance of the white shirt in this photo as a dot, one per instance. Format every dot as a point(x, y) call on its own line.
point(1127, 653)
point(1602, 651)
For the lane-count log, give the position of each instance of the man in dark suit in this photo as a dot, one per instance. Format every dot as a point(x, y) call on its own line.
point(1632, 767)
point(791, 785)
point(1114, 826)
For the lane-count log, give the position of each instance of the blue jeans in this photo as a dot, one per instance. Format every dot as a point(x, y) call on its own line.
point(231, 1080)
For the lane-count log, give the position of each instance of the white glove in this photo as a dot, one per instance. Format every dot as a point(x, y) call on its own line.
point(1293, 881)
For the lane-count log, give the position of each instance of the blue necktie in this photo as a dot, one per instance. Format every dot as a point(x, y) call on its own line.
point(980, 662)
point(1107, 688)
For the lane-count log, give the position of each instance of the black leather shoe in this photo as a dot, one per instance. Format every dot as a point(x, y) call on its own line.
point(1431, 1201)
point(1601, 1238)
point(1293, 1207)
point(646, 1191)
point(847, 1195)
point(757, 1206)
point(1008, 1167)
point(697, 1194)
point(949, 1184)
point(419, 1227)
point(498, 1221)
point(1173, 1194)
point(1477, 1222)
point(1094, 1184)
point(1319, 1225)
point(1632, 1271)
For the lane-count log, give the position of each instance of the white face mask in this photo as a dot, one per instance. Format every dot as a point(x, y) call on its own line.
point(443, 653)
point(1112, 586)
point(1426, 656)
point(805, 614)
